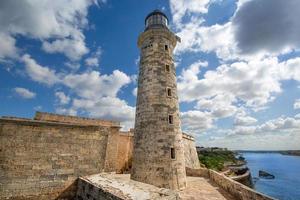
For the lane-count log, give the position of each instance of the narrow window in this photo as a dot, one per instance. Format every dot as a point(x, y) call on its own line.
point(168, 68)
point(172, 153)
point(170, 119)
point(166, 47)
point(169, 92)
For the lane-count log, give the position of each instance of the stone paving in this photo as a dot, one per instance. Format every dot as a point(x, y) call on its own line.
point(200, 188)
point(121, 186)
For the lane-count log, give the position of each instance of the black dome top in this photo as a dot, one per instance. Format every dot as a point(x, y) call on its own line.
point(155, 12)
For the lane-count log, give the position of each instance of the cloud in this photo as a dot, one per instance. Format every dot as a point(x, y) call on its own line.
point(39, 73)
point(297, 104)
point(93, 60)
point(94, 85)
point(7, 47)
point(269, 25)
point(73, 48)
point(107, 107)
point(62, 98)
point(134, 92)
point(254, 30)
point(180, 8)
point(66, 111)
point(196, 121)
point(242, 120)
point(57, 24)
point(254, 83)
point(278, 125)
point(24, 93)
point(96, 96)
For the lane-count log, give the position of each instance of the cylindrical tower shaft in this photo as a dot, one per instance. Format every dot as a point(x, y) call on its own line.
point(158, 156)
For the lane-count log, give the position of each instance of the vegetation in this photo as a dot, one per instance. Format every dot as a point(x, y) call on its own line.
point(217, 159)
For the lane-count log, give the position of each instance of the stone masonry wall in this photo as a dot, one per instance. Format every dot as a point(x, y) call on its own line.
point(158, 156)
point(42, 116)
point(41, 160)
point(236, 189)
point(190, 152)
point(125, 146)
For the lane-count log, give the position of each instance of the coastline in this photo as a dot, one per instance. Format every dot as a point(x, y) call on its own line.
point(283, 152)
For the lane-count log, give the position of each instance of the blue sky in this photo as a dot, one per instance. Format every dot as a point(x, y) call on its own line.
point(238, 65)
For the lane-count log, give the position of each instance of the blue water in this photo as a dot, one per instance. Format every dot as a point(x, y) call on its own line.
point(286, 169)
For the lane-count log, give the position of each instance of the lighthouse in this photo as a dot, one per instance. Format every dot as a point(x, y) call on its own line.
point(158, 156)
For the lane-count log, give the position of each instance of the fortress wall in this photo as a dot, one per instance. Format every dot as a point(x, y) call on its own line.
point(41, 116)
point(190, 152)
point(111, 155)
point(41, 160)
point(125, 146)
point(235, 188)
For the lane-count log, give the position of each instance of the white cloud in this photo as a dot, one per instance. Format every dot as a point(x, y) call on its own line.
point(24, 93)
point(196, 121)
point(108, 108)
point(254, 83)
point(93, 60)
point(39, 73)
point(297, 104)
point(180, 8)
point(73, 48)
point(7, 47)
point(94, 85)
point(134, 92)
point(96, 96)
point(62, 98)
point(198, 38)
point(241, 120)
point(58, 24)
point(66, 111)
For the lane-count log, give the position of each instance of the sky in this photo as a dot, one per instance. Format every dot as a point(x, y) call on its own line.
point(238, 64)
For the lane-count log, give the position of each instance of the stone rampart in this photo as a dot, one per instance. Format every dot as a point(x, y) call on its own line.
point(41, 160)
point(236, 189)
point(190, 152)
point(42, 116)
point(200, 172)
point(125, 146)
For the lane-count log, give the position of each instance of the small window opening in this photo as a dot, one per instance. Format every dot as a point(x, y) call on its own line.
point(169, 92)
point(172, 153)
point(166, 47)
point(170, 119)
point(167, 68)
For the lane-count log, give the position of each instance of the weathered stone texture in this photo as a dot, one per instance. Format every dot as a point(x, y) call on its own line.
point(125, 146)
point(42, 160)
point(234, 188)
point(154, 136)
point(119, 187)
point(42, 116)
point(190, 152)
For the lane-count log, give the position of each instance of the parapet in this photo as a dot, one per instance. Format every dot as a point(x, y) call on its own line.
point(50, 117)
point(187, 136)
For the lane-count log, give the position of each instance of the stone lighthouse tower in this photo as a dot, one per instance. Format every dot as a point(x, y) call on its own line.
point(158, 156)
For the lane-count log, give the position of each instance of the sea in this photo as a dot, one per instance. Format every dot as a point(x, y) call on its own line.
point(285, 168)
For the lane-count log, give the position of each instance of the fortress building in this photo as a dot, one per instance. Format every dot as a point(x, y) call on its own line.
point(59, 157)
point(158, 156)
